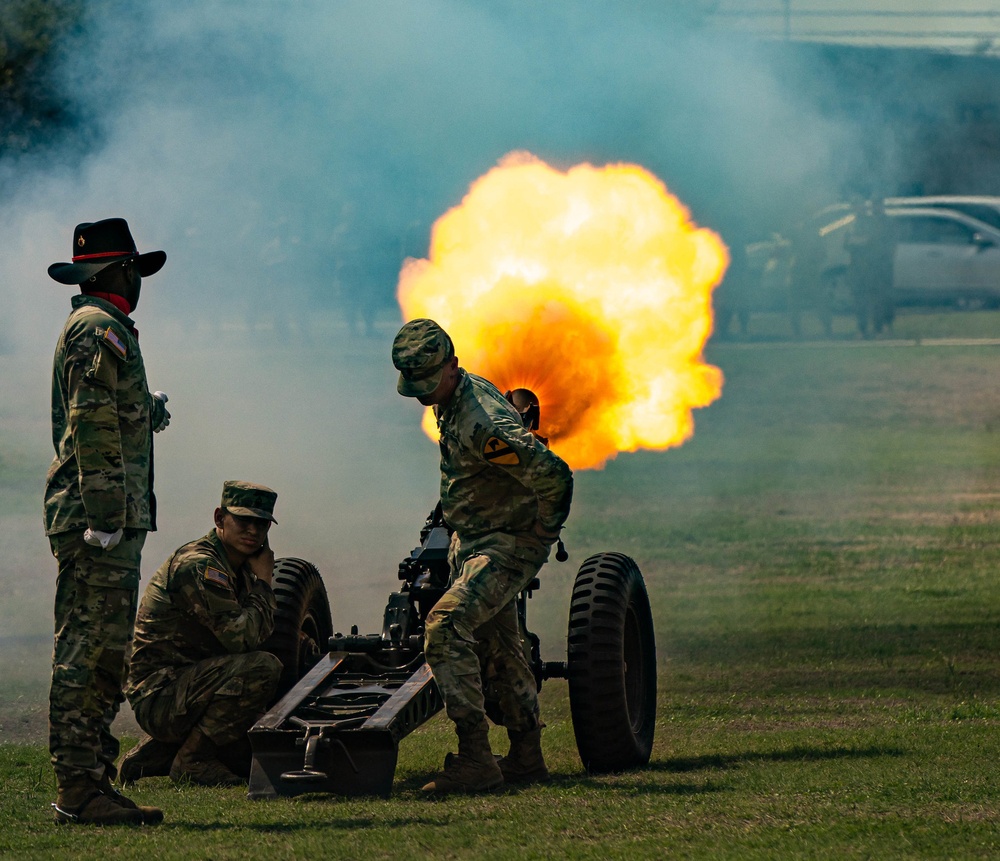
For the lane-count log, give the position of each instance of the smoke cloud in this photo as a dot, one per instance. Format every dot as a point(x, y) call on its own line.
point(288, 156)
point(295, 153)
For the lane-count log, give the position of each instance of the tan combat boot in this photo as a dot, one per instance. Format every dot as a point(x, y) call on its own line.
point(473, 769)
point(198, 762)
point(524, 763)
point(80, 800)
point(150, 815)
point(149, 758)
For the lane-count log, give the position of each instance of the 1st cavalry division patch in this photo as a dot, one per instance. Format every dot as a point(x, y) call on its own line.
point(217, 577)
point(498, 452)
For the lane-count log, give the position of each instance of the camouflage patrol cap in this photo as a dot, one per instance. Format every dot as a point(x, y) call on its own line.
point(420, 352)
point(249, 500)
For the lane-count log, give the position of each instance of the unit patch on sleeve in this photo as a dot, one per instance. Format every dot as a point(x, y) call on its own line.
point(217, 577)
point(498, 452)
point(116, 343)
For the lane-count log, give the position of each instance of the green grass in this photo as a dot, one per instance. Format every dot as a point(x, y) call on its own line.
point(822, 561)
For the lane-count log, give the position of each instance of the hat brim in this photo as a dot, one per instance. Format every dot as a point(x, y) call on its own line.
point(419, 388)
point(259, 513)
point(76, 273)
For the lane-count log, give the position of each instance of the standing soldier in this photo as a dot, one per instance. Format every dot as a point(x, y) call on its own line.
point(99, 505)
point(198, 680)
point(872, 249)
point(505, 496)
point(807, 290)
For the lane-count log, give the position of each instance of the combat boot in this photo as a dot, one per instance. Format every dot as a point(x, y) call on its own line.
point(150, 815)
point(80, 800)
point(472, 769)
point(149, 758)
point(198, 762)
point(524, 762)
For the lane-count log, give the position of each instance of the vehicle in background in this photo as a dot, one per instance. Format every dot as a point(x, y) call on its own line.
point(946, 247)
point(943, 256)
point(980, 207)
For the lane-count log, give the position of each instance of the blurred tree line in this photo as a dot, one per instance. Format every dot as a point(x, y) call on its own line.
point(34, 108)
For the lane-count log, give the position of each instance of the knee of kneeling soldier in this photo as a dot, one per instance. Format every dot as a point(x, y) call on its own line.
point(267, 667)
point(253, 677)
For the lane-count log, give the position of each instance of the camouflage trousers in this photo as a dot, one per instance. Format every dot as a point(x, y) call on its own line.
point(475, 622)
point(222, 697)
point(96, 597)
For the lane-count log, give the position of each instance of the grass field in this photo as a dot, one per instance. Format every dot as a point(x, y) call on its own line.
point(821, 559)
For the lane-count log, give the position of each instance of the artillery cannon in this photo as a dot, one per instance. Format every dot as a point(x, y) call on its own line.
point(350, 699)
point(338, 728)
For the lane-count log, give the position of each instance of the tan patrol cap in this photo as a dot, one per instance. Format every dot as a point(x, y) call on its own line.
point(249, 500)
point(420, 352)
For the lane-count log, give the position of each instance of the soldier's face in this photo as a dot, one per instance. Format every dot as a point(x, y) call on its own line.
point(128, 282)
point(122, 279)
point(241, 536)
point(446, 388)
point(133, 283)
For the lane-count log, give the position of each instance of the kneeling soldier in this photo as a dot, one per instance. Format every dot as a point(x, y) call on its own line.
point(198, 680)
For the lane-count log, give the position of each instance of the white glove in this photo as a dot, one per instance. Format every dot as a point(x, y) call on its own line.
point(104, 540)
point(162, 396)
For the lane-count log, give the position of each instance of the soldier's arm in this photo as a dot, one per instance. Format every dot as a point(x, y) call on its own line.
point(552, 481)
point(519, 453)
point(91, 372)
point(207, 590)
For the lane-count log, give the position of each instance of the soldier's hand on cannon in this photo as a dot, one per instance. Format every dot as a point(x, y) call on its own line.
point(164, 419)
point(104, 540)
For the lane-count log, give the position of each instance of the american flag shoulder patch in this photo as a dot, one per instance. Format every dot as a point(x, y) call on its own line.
point(216, 577)
point(116, 343)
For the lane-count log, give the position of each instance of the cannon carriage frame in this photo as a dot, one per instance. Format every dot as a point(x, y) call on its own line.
point(347, 701)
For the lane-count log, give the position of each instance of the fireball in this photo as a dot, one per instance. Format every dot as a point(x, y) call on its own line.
point(591, 287)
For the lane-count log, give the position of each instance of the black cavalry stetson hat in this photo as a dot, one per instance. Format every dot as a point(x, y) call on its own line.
point(99, 244)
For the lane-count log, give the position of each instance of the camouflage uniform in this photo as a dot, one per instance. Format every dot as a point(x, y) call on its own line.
point(497, 482)
point(196, 659)
point(871, 247)
point(102, 478)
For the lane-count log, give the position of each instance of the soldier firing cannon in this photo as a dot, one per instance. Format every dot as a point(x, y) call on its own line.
point(352, 698)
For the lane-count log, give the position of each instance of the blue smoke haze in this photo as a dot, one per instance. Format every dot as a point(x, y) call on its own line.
point(298, 152)
point(288, 156)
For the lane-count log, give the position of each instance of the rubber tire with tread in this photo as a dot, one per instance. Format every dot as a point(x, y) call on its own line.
point(302, 622)
point(611, 664)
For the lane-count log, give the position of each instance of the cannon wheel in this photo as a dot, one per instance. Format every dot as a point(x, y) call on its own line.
point(302, 622)
point(611, 664)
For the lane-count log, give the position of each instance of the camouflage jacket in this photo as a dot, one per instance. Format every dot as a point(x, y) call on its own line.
point(196, 607)
point(496, 476)
point(102, 421)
